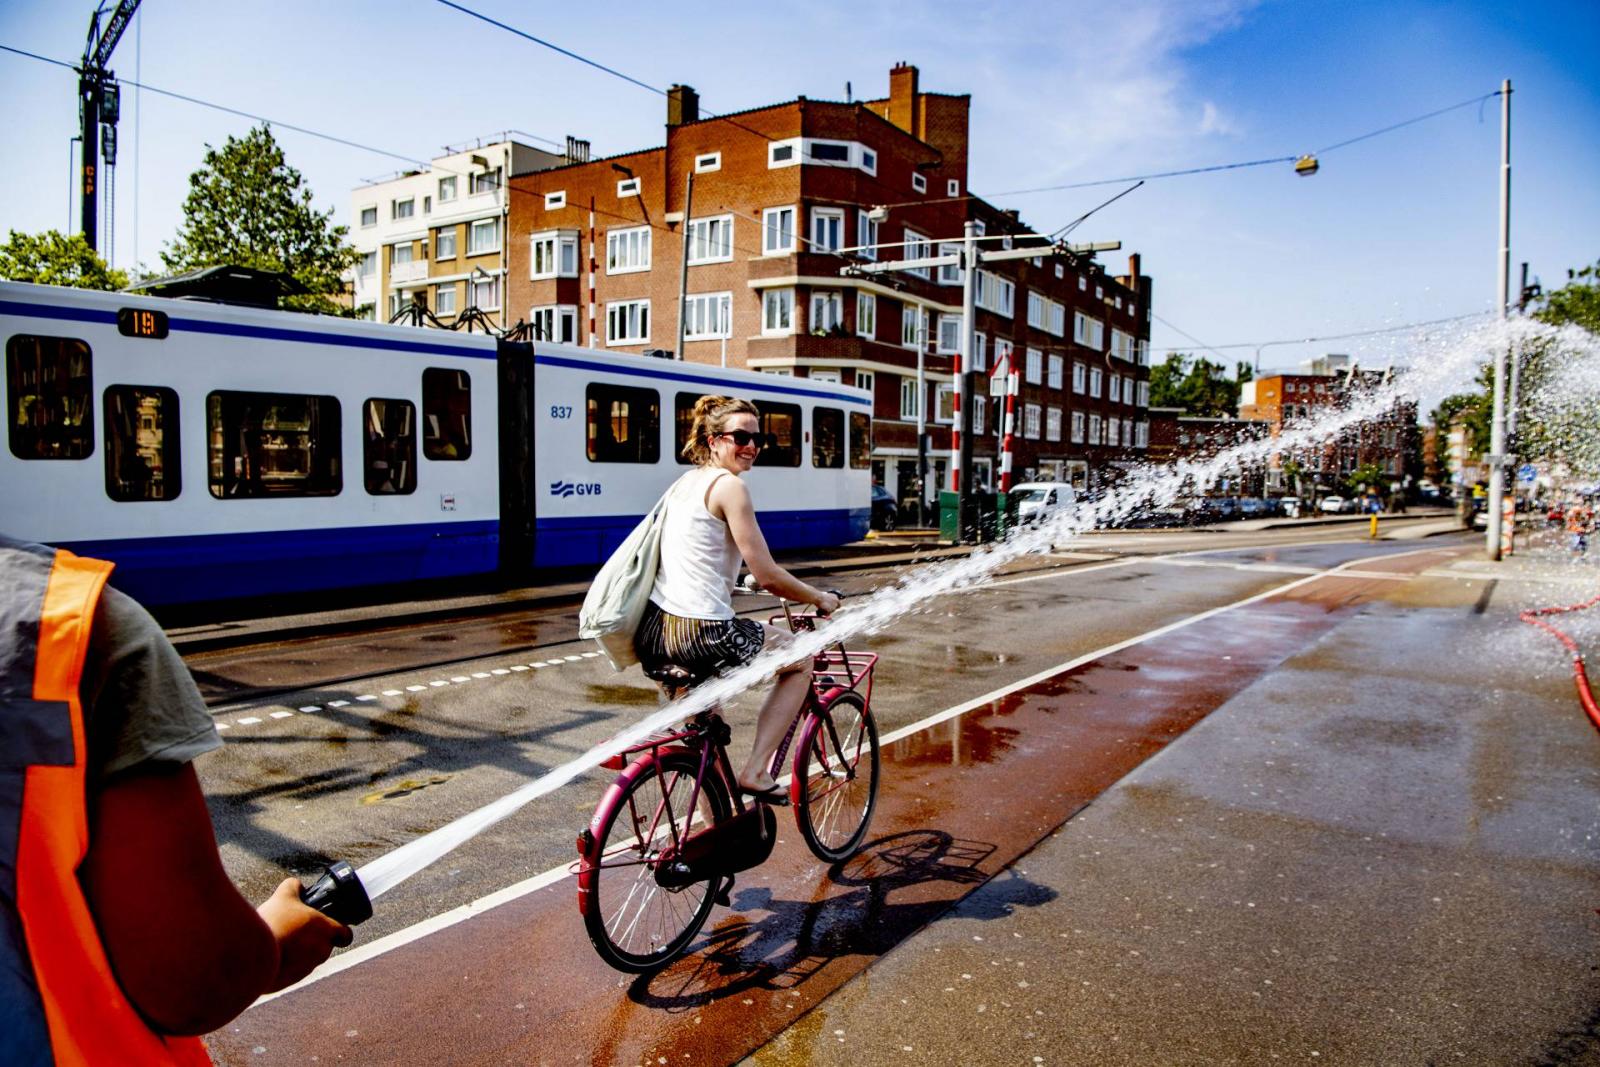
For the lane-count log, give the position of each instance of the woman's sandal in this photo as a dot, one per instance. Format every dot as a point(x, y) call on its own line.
point(776, 795)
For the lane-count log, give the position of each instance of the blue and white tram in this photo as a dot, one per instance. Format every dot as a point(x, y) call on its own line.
point(218, 452)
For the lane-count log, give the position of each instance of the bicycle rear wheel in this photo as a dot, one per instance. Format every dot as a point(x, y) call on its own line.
point(635, 922)
point(837, 768)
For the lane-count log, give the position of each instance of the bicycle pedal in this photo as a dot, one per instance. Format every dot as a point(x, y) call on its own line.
point(722, 894)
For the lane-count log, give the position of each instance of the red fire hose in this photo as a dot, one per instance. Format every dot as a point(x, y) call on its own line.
point(1585, 693)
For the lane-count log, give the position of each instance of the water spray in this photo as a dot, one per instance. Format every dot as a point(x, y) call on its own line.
point(1424, 383)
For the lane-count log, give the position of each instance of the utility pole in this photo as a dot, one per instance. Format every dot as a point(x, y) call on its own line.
point(1497, 427)
point(922, 418)
point(98, 104)
point(683, 273)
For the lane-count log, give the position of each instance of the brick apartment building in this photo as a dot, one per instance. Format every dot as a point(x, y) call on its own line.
point(1175, 436)
point(1386, 442)
point(780, 196)
point(784, 197)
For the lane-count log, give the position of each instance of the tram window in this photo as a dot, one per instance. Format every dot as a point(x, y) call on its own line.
point(827, 438)
point(683, 419)
point(142, 443)
point(272, 444)
point(446, 414)
point(51, 390)
point(781, 424)
point(389, 448)
point(860, 440)
point(624, 424)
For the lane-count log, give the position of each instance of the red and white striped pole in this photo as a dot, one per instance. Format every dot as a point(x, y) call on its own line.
point(1006, 442)
point(955, 427)
point(593, 269)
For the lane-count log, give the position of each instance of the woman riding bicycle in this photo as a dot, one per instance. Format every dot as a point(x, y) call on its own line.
point(709, 529)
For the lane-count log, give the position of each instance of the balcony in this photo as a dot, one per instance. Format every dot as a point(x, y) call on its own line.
point(401, 273)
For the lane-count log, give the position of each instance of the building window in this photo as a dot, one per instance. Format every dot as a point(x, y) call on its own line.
point(447, 189)
point(444, 244)
point(1061, 272)
point(869, 160)
point(910, 326)
point(628, 251)
point(979, 357)
point(707, 162)
point(1089, 332)
point(627, 187)
point(624, 424)
point(389, 447)
point(628, 322)
point(427, 204)
point(1077, 427)
point(866, 236)
point(832, 152)
point(980, 412)
point(711, 240)
point(918, 247)
point(1094, 429)
point(777, 230)
point(949, 338)
point(996, 294)
point(1083, 284)
point(1030, 421)
point(444, 299)
point(1113, 430)
point(1116, 389)
point(1144, 394)
point(142, 443)
point(484, 181)
point(557, 199)
point(780, 154)
point(485, 293)
point(908, 399)
point(1056, 363)
point(368, 265)
point(555, 322)
point(827, 438)
point(866, 317)
point(1095, 378)
point(827, 229)
point(944, 403)
point(952, 188)
point(1052, 424)
point(919, 184)
point(400, 254)
point(554, 255)
point(369, 216)
point(1079, 377)
point(1033, 372)
point(950, 273)
point(272, 444)
point(827, 311)
point(402, 209)
point(483, 237)
point(708, 316)
point(777, 312)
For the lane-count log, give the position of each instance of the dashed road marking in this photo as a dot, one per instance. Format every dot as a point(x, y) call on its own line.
point(282, 714)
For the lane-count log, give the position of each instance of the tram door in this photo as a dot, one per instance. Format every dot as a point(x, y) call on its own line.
point(514, 364)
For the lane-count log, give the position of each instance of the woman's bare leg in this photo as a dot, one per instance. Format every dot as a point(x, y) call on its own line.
point(773, 722)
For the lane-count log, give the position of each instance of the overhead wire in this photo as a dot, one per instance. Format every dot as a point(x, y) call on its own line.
point(1314, 340)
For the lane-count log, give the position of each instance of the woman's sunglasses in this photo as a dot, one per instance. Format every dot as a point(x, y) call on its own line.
point(744, 438)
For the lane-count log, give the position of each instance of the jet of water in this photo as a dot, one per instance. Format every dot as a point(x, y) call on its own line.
point(1438, 367)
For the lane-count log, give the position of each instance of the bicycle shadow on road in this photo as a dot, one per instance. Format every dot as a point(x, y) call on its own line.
point(872, 902)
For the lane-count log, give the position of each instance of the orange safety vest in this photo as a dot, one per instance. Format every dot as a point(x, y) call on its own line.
point(59, 1000)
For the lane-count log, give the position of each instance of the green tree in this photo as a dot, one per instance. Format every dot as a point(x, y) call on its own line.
point(53, 258)
point(1577, 303)
point(247, 207)
point(1198, 386)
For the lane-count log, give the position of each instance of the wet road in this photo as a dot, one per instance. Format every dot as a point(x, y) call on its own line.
point(963, 799)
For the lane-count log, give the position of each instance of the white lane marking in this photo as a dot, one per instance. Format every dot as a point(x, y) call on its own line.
point(461, 678)
point(389, 693)
point(437, 682)
point(444, 920)
point(572, 659)
point(1275, 568)
point(340, 703)
point(588, 655)
point(480, 674)
point(310, 708)
point(415, 688)
point(499, 670)
point(519, 667)
point(249, 720)
point(282, 714)
point(369, 696)
point(223, 726)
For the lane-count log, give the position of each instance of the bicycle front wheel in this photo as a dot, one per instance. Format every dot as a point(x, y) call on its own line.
point(837, 766)
point(639, 916)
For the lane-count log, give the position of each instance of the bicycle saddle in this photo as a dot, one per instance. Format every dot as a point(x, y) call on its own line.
point(673, 676)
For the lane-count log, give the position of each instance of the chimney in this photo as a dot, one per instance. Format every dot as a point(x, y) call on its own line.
point(683, 105)
point(1133, 273)
point(905, 104)
point(577, 150)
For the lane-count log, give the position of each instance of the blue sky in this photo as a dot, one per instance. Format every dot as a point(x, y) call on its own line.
point(1396, 229)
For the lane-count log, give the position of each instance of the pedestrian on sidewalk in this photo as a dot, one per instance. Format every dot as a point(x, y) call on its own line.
point(1580, 524)
point(121, 936)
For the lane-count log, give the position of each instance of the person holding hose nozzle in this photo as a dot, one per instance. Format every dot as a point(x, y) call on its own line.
point(709, 528)
point(121, 936)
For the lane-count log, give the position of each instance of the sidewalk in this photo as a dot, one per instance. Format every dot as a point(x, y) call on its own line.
point(1382, 851)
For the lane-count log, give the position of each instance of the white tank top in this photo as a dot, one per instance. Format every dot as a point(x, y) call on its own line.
point(699, 561)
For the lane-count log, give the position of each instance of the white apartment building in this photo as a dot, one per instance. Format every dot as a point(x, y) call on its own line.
point(438, 236)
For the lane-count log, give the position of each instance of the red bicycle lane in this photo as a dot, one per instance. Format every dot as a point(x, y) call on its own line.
point(959, 802)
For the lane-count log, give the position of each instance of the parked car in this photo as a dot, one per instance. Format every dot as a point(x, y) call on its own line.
point(1037, 501)
point(1290, 506)
point(1253, 507)
point(1334, 505)
point(885, 512)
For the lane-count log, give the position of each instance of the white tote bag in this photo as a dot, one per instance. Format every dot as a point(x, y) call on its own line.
point(616, 600)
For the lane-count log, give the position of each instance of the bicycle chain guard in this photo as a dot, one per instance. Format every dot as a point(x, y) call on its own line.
point(732, 845)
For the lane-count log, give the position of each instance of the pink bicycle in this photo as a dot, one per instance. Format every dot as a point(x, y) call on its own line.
point(673, 829)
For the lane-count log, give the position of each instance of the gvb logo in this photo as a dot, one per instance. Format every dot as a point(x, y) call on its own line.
point(565, 489)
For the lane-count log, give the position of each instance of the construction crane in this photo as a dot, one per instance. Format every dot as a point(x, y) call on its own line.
point(99, 107)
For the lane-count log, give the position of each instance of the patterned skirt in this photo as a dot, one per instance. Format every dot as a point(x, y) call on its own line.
point(701, 646)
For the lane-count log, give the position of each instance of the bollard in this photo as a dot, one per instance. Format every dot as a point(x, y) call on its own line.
point(1372, 532)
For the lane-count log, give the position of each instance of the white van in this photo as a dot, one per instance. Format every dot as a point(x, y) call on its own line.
point(1037, 501)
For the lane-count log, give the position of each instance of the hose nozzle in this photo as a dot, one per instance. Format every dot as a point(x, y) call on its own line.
point(340, 895)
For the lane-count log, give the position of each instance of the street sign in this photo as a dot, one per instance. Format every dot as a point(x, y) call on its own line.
point(1527, 473)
